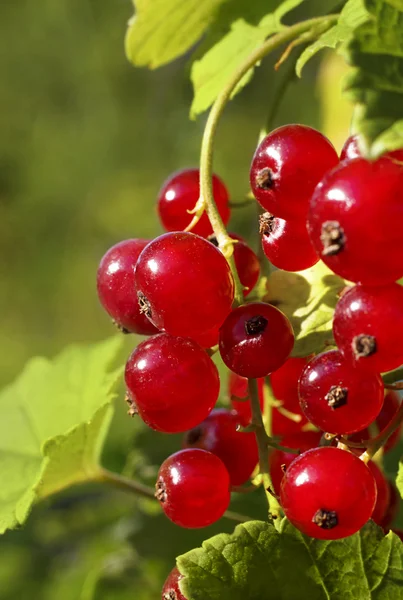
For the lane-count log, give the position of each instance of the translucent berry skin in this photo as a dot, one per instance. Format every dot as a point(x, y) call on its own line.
point(279, 460)
point(287, 244)
point(187, 284)
point(328, 479)
point(338, 397)
point(350, 150)
point(383, 493)
point(375, 311)
point(257, 354)
point(165, 372)
point(355, 220)
point(170, 590)
point(287, 166)
point(116, 289)
point(193, 487)
point(218, 434)
point(180, 193)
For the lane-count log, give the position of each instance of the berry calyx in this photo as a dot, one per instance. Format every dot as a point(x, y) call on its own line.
point(170, 590)
point(328, 493)
point(185, 284)
point(179, 195)
point(255, 339)
point(193, 487)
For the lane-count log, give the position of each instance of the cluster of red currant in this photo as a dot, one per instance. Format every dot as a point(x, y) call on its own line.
point(179, 289)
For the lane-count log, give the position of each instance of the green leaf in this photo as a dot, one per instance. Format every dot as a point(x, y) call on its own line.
point(256, 562)
point(375, 84)
point(162, 30)
point(210, 73)
point(399, 478)
point(308, 298)
point(58, 413)
point(352, 15)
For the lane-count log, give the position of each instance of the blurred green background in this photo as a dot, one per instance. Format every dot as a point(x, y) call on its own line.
point(86, 142)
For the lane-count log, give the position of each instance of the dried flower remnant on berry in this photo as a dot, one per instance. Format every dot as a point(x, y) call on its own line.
point(332, 238)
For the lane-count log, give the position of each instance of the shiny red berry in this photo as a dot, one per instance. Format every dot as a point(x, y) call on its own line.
point(287, 244)
point(247, 264)
point(328, 493)
point(218, 434)
point(279, 460)
point(193, 487)
point(180, 193)
point(255, 339)
point(356, 219)
point(338, 397)
point(351, 150)
point(368, 326)
point(171, 590)
point(116, 289)
point(184, 284)
point(287, 166)
point(383, 493)
point(166, 373)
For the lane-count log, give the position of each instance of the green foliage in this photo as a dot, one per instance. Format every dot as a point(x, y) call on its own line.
point(258, 562)
point(399, 479)
point(58, 413)
point(308, 298)
point(375, 84)
point(210, 73)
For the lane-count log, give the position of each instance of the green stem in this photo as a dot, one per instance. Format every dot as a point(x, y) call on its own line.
point(393, 376)
point(263, 448)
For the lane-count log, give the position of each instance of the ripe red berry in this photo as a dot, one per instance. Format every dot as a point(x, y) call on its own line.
point(287, 166)
point(351, 150)
point(356, 219)
point(287, 244)
point(184, 284)
point(246, 262)
point(193, 488)
point(368, 326)
point(279, 460)
point(208, 338)
point(171, 590)
point(167, 373)
point(383, 494)
point(284, 383)
point(328, 493)
point(239, 396)
point(338, 397)
point(116, 289)
point(255, 339)
point(393, 507)
point(218, 434)
point(180, 193)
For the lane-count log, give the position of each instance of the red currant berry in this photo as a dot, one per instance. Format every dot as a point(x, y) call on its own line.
point(255, 339)
point(328, 493)
point(184, 284)
point(338, 397)
point(165, 372)
point(286, 423)
point(171, 590)
point(180, 193)
point(383, 494)
point(116, 289)
point(393, 507)
point(246, 262)
point(218, 434)
point(351, 150)
point(207, 339)
point(356, 219)
point(193, 488)
point(284, 382)
point(239, 396)
point(287, 166)
point(287, 244)
point(279, 460)
point(368, 326)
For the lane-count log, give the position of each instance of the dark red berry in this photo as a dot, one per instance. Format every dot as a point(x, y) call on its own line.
point(368, 326)
point(328, 493)
point(193, 487)
point(165, 373)
point(287, 166)
point(383, 493)
point(356, 219)
point(171, 590)
point(288, 418)
point(287, 244)
point(247, 264)
point(393, 507)
point(208, 338)
point(255, 339)
point(116, 289)
point(279, 460)
point(184, 284)
point(180, 193)
point(351, 150)
point(239, 396)
point(218, 434)
point(338, 397)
